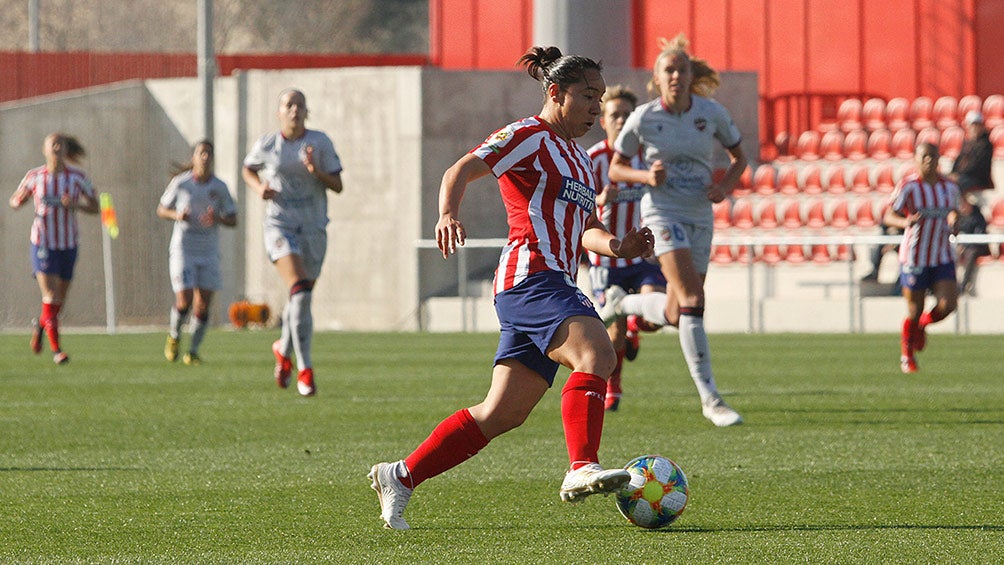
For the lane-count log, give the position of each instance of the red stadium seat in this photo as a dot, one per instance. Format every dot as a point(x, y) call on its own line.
point(832, 145)
point(861, 179)
point(765, 180)
point(840, 217)
point(880, 144)
point(855, 144)
point(744, 255)
point(897, 114)
point(722, 211)
point(921, 113)
point(808, 146)
point(810, 179)
point(884, 178)
point(873, 114)
point(770, 254)
point(722, 255)
point(782, 141)
point(745, 185)
point(793, 215)
point(929, 134)
point(968, 103)
point(997, 215)
point(997, 138)
point(836, 180)
point(794, 254)
point(787, 179)
point(951, 141)
point(864, 216)
point(849, 115)
point(742, 214)
point(820, 253)
point(815, 216)
point(904, 142)
point(908, 168)
point(767, 216)
point(945, 108)
point(845, 252)
point(993, 110)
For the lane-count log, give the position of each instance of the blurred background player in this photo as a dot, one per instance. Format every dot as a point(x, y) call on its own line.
point(292, 169)
point(197, 202)
point(677, 133)
point(618, 206)
point(57, 189)
point(925, 206)
point(547, 185)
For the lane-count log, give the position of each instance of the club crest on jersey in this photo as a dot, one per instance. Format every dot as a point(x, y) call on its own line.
point(701, 124)
point(577, 193)
point(499, 139)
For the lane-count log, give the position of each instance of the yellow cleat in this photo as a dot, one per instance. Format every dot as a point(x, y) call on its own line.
point(191, 359)
point(171, 349)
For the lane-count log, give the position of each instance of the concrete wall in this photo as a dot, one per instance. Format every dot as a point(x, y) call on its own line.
point(397, 129)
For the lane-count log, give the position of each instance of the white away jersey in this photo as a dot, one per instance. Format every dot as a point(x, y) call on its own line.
point(685, 144)
point(548, 189)
point(926, 243)
point(191, 238)
point(302, 200)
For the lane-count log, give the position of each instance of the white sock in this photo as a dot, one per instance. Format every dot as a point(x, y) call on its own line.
point(694, 342)
point(301, 324)
point(198, 332)
point(285, 333)
point(177, 320)
point(651, 306)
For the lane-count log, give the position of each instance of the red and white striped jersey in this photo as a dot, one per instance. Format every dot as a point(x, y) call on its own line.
point(548, 189)
point(623, 213)
point(926, 243)
point(55, 227)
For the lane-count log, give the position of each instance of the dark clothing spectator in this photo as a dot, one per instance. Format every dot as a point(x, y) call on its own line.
point(972, 167)
point(971, 221)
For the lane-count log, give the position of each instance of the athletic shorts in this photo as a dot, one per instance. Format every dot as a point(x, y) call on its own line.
point(194, 272)
point(530, 313)
point(630, 278)
point(923, 278)
point(671, 235)
point(59, 262)
point(309, 243)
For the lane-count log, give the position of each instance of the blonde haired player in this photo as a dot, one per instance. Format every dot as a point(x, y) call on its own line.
point(677, 133)
point(292, 170)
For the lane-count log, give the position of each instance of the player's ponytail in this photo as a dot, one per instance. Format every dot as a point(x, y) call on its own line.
point(549, 66)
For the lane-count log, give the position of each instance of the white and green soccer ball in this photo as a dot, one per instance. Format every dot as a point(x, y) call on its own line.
point(657, 493)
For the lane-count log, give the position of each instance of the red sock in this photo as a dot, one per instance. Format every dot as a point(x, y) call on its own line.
point(614, 382)
point(931, 317)
point(455, 440)
point(582, 415)
point(50, 321)
point(906, 337)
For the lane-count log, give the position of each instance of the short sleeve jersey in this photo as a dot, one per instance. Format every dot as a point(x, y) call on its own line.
point(926, 243)
point(302, 199)
point(190, 237)
point(55, 227)
point(548, 188)
point(624, 212)
point(685, 144)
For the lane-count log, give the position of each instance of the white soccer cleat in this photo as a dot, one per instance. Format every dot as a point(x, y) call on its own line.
point(393, 495)
point(720, 413)
point(592, 479)
point(612, 299)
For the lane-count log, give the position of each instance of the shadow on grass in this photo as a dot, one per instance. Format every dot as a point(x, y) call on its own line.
point(837, 528)
point(54, 469)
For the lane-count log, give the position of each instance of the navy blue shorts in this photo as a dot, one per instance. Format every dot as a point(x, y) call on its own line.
point(923, 278)
point(530, 313)
point(630, 278)
point(57, 262)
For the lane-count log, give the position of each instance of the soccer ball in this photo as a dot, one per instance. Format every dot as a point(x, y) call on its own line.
point(657, 493)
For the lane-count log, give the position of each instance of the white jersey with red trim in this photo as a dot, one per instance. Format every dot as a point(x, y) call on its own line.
point(55, 227)
point(548, 189)
point(926, 243)
point(624, 212)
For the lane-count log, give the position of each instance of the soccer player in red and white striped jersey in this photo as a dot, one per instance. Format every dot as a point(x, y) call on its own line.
point(925, 206)
point(548, 189)
point(618, 206)
point(57, 190)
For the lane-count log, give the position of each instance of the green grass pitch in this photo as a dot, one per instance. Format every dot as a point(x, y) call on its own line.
point(122, 457)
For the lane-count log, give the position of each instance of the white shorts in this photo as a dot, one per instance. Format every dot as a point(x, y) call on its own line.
point(309, 244)
point(189, 272)
point(670, 236)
